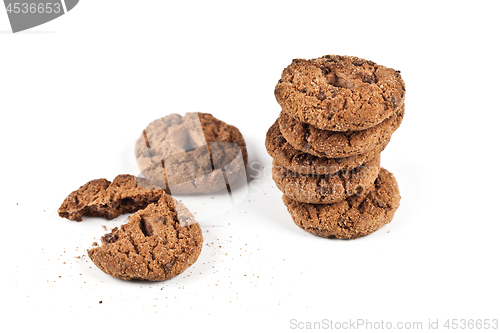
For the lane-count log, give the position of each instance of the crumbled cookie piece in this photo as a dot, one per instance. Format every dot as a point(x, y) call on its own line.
point(100, 197)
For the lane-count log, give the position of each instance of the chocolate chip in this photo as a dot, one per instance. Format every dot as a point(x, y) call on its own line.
point(371, 63)
point(169, 265)
point(163, 219)
point(358, 63)
point(325, 71)
point(303, 91)
point(369, 79)
point(109, 238)
point(322, 96)
point(280, 140)
point(393, 101)
point(329, 58)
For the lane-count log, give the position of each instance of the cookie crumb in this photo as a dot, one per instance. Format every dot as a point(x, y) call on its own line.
point(100, 302)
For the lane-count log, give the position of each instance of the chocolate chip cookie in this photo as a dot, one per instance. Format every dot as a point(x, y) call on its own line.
point(100, 197)
point(356, 216)
point(157, 243)
point(340, 93)
point(330, 144)
point(196, 153)
point(326, 189)
point(297, 161)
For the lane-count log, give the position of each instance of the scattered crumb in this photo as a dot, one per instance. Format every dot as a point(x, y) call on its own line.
point(100, 302)
point(105, 228)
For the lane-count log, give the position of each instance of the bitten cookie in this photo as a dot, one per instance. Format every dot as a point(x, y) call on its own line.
point(297, 161)
point(196, 153)
point(357, 216)
point(326, 189)
point(100, 197)
point(324, 143)
point(157, 243)
point(340, 93)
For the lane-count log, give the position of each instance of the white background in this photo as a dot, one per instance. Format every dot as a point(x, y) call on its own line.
point(76, 92)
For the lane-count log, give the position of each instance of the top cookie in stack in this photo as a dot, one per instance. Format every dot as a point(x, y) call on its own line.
point(340, 93)
point(338, 114)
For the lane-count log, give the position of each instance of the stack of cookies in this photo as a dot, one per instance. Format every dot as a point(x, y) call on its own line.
point(337, 115)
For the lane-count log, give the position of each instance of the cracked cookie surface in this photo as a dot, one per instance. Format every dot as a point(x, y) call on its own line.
point(157, 243)
point(195, 153)
point(330, 144)
point(100, 197)
point(295, 160)
point(354, 217)
point(326, 189)
point(340, 93)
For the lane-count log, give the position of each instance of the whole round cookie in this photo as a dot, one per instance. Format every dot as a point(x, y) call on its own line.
point(197, 153)
point(332, 144)
point(295, 160)
point(326, 189)
point(157, 243)
point(340, 93)
point(357, 216)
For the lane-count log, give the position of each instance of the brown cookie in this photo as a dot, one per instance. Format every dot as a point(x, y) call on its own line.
point(340, 93)
point(326, 189)
point(324, 143)
point(295, 160)
point(357, 216)
point(100, 197)
point(196, 153)
point(157, 243)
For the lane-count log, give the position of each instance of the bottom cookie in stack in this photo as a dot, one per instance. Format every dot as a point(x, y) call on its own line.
point(358, 215)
